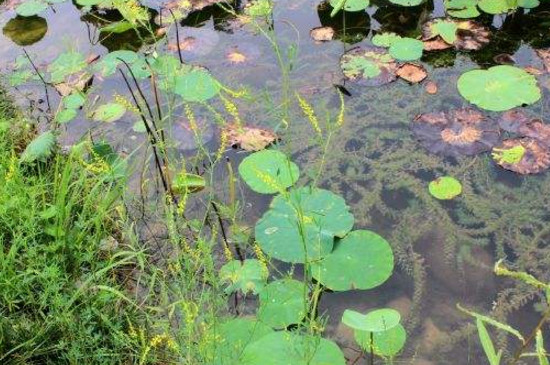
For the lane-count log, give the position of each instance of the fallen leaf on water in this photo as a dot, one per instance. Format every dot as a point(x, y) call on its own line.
point(412, 73)
point(431, 87)
point(544, 55)
point(322, 34)
point(533, 70)
point(249, 138)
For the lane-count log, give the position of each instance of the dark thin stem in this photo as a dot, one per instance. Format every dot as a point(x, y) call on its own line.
point(41, 78)
point(222, 228)
point(531, 337)
point(177, 35)
point(372, 348)
point(140, 92)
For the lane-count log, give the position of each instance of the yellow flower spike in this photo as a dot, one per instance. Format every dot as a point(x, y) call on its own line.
point(341, 113)
point(261, 257)
point(307, 109)
point(223, 145)
point(232, 110)
point(119, 99)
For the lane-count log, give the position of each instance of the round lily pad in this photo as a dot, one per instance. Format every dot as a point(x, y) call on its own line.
point(74, 100)
point(406, 49)
point(282, 303)
point(235, 335)
point(65, 115)
point(109, 112)
point(268, 171)
point(386, 343)
point(499, 88)
point(322, 216)
point(407, 2)
point(248, 277)
point(293, 349)
point(378, 320)
point(361, 260)
point(196, 85)
point(25, 31)
point(372, 66)
point(66, 64)
point(384, 39)
point(350, 5)
point(31, 7)
point(445, 188)
point(496, 6)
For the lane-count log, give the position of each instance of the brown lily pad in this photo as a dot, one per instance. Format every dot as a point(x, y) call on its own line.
point(544, 55)
point(536, 129)
point(436, 44)
point(322, 34)
point(533, 70)
point(370, 66)
point(412, 73)
point(242, 54)
point(470, 36)
point(535, 159)
point(249, 138)
point(431, 87)
point(75, 83)
point(512, 120)
point(456, 133)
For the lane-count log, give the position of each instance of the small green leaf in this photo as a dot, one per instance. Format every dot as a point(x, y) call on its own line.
point(378, 320)
point(74, 101)
point(248, 277)
point(66, 64)
point(406, 49)
point(65, 115)
point(40, 148)
point(196, 86)
point(186, 182)
point(445, 188)
point(31, 7)
point(109, 113)
point(268, 171)
point(282, 303)
point(384, 39)
point(510, 156)
point(446, 29)
point(385, 344)
point(487, 344)
point(493, 322)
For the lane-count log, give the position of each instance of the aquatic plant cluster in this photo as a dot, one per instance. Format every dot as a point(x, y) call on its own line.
point(411, 181)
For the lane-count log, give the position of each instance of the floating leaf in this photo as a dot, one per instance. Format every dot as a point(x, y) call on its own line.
point(412, 73)
point(248, 277)
point(371, 66)
point(109, 113)
point(462, 8)
point(384, 39)
point(282, 303)
point(117, 27)
point(40, 148)
point(509, 156)
point(196, 86)
point(499, 88)
point(65, 115)
point(496, 6)
point(25, 31)
point(386, 343)
point(361, 260)
point(268, 171)
point(290, 348)
point(348, 5)
point(444, 28)
point(378, 320)
point(31, 7)
point(535, 158)
point(445, 188)
point(108, 64)
point(66, 64)
point(406, 49)
point(188, 183)
point(249, 138)
point(407, 2)
point(235, 335)
point(309, 218)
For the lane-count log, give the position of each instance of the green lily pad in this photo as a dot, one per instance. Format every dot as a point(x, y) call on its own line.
point(25, 31)
point(109, 113)
point(268, 171)
point(31, 7)
point(384, 39)
point(65, 115)
point(445, 188)
point(446, 29)
point(74, 100)
point(496, 6)
point(324, 216)
point(196, 86)
point(462, 8)
point(499, 88)
point(235, 335)
point(289, 348)
point(378, 320)
point(282, 303)
point(407, 2)
point(108, 64)
point(348, 5)
point(249, 277)
point(186, 182)
point(66, 64)
point(361, 260)
point(385, 344)
point(406, 49)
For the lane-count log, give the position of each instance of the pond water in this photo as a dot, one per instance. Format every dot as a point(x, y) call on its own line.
point(445, 250)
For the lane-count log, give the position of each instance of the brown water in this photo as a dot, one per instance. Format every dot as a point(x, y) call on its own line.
point(445, 251)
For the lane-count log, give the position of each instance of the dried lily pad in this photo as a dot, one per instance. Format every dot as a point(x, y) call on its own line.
point(512, 120)
point(249, 138)
point(439, 34)
point(242, 54)
point(456, 133)
point(322, 34)
point(431, 87)
point(412, 73)
point(499, 88)
point(536, 129)
point(371, 66)
point(544, 55)
point(534, 159)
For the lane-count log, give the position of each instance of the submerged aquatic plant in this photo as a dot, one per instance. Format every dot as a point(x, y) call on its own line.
point(371, 66)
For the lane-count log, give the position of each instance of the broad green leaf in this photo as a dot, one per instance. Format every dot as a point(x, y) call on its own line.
point(361, 260)
point(385, 344)
point(74, 100)
point(66, 64)
point(196, 86)
point(348, 5)
point(65, 115)
point(541, 352)
point(528, 4)
point(499, 88)
point(384, 39)
point(496, 6)
point(445, 188)
point(301, 227)
point(31, 7)
point(462, 8)
point(446, 29)
point(406, 49)
point(407, 2)
point(248, 277)
point(116, 167)
point(282, 303)
point(109, 113)
point(109, 63)
point(117, 27)
point(268, 171)
point(186, 182)
point(493, 322)
point(289, 348)
point(487, 344)
point(40, 148)
point(378, 320)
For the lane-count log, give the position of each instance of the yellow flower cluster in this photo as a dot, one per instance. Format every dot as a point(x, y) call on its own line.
point(268, 180)
point(232, 110)
point(12, 167)
point(261, 257)
point(163, 339)
point(223, 145)
point(310, 113)
point(227, 252)
point(191, 118)
point(341, 114)
point(119, 99)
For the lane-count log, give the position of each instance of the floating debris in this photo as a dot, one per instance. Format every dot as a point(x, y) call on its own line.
point(372, 66)
point(242, 54)
point(196, 41)
point(456, 133)
point(322, 34)
point(249, 138)
point(412, 73)
point(440, 34)
point(431, 87)
point(522, 155)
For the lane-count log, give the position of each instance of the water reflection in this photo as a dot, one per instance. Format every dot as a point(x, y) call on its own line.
point(349, 27)
point(25, 31)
